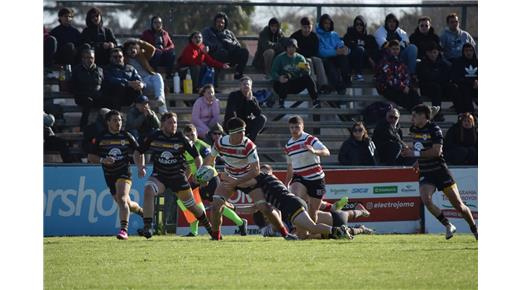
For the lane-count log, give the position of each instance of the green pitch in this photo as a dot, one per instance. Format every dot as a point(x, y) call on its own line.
point(253, 262)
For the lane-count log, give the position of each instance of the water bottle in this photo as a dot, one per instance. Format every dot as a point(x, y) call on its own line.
point(68, 72)
point(188, 84)
point(62, 74)
point(176, 84)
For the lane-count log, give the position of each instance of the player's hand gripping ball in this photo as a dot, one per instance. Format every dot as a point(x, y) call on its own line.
point(205, 174)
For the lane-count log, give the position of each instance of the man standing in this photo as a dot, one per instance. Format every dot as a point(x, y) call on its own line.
point(433, 171)
point(304, 172)
point(243, 104)
point(169, 170)
point(291, 74)
point(122, 84)
point(224, 46)
point(112, 149)
point(453, 38)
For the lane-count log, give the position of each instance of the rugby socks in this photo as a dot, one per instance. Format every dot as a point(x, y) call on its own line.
point(194, 228)
point(356, 231)
point(203, 219)
point(443, 220)
point(124, 225)
point(215, 235)
point(357, 213)
point(233, 216)
point(283, 231)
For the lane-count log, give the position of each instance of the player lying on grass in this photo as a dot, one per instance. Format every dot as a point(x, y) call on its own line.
point(169, 170)
point(112, 148)
point(240, 165)
point(205, 190)
point(433, 172)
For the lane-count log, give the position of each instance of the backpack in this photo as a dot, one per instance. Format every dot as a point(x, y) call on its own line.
point(207, 76)
point(376, 112)
point(264, 98)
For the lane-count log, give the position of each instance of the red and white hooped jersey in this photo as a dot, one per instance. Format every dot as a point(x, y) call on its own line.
point(237, 158)
point(304, 163)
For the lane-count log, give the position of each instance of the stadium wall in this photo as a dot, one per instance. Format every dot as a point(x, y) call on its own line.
point(77, 202)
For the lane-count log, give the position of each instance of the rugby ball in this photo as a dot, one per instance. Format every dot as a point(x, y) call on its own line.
point(205, 173)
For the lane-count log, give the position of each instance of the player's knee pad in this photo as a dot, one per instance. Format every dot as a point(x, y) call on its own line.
point(189, 202)
point(153, 186)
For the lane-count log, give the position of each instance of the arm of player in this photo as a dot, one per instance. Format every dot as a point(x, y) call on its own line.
point(289, 175)
point(93, 158)
point(324, 152)
point(198, 161)
point(435, 151)
point(253, 172)
point(139, 161)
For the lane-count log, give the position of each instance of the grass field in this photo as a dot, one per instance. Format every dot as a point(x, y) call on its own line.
point(254, 262)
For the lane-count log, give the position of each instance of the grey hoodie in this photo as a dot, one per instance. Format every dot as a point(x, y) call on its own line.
point(452, 42)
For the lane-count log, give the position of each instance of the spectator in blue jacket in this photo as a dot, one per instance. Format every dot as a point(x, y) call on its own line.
point(334, 54)
point(453, 38)
point(223, 44)
point(392, 31)
point(67, 36)
point(122, 84)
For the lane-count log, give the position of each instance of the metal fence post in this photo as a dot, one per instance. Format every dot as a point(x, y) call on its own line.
point(318, 12)
point(464, 16)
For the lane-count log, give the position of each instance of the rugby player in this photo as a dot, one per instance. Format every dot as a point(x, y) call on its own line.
point(169, 170)
point(240, 165)
point(112, 148)
point(433, 171)
point(305, 177)
point(207, 190)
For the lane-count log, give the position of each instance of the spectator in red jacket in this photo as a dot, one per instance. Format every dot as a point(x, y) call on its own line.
point(164, 48)
point(393, 79)
point(195, 56)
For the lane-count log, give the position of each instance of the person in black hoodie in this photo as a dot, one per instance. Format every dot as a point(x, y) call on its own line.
point(358, 149)
point(67, 36)
point(461, 142)
point(101, 38)
point(223, 44)
point(362, 45)
point(269, 45)
point(464, 74)
point(243, 104)
point(424, 34)
point(433, 73)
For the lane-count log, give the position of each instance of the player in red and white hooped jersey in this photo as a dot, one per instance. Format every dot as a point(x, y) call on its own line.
point(304, 173)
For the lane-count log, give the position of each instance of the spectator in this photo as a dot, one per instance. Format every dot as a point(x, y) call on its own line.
point(393, 80)
point(50, 46)
point(391, 31)
point(206, 110)
point(141, 120)
point(464, 74)
point(334, 53)
point(434, 77)
point(461, 142)
point(358, 149)
point(268, 46)
point(388, 139)
point(86, 81)
point(164, 55)
point(224, 46)
point(362, 45)
point(101, 38)
point(195, 56)
point(453, 38)
point(423, 35)
point(243, 104)
point(67, 36)
point(94, 129)
point(308, 46)
point(121, 84)
point(291, 74)
point(53, 143)
point(214, 134)
point(137, 54)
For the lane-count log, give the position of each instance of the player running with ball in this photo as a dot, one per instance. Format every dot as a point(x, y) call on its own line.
point(434, 173)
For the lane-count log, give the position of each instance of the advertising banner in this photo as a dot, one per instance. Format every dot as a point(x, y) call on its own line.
point(467, 183)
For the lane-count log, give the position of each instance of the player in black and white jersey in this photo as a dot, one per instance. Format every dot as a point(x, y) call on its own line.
point(433, 171)
point(169, 170)
point(112, 149)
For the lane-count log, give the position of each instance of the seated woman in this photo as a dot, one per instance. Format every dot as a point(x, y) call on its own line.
point(461, 142)
point(359, 148)
point(195, 57)
point(206, 111)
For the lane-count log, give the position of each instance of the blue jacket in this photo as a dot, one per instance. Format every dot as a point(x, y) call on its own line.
point(329, 42)
point(120, 75)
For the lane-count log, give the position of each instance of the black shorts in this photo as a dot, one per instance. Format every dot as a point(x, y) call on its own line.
point(291, 206)
point(339, 218)
point(247, 190)
point(315, 188)
point(111, 180)
point(176, 183)
point(441, 178)
point(207, 192)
